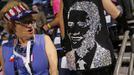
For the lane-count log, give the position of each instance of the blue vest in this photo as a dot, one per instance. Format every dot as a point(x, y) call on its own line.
point(40, 64)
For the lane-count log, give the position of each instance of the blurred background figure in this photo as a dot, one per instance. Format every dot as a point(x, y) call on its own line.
point(86, 37)
point(40, 18)
point(45, 6)
point(127, 8)
point(57, 38)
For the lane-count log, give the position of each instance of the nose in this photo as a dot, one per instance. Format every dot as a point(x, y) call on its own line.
point(28, 25)
point(31, 24)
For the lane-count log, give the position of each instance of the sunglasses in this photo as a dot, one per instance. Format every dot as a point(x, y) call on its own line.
point(26, 23)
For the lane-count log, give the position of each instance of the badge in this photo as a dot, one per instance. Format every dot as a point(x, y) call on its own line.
point(12, 58)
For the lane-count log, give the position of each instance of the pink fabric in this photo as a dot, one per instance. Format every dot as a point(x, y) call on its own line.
point(56, 6)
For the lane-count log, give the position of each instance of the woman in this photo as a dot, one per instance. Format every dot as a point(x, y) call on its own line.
point(27, 54)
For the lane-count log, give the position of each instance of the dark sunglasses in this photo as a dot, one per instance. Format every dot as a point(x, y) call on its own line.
point(26, 23)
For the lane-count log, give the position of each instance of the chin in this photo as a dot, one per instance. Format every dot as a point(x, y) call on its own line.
point(28, 36)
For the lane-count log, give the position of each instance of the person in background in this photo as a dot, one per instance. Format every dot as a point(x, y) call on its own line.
point(40, 18)
point(57, 39)
point(53, 23)
point(86, 38)
point(44, 4)
point(127, 8)
point(28, 53)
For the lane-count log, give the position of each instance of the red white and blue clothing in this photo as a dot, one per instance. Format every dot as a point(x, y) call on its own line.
point(39, 60)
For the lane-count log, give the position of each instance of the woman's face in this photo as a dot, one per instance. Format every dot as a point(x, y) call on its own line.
point(25, 31)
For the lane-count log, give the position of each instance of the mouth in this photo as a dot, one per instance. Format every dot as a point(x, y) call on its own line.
point(30, 29)
point(77, 38)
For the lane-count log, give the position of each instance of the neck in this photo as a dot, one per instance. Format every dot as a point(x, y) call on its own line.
point(23, 41)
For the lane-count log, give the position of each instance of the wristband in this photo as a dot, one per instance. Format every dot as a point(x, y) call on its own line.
point(49, 26)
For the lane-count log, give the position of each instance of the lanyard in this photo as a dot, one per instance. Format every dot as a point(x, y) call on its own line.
point(27, 59)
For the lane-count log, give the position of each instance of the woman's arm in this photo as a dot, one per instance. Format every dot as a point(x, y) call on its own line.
point(111, 8)
point(53, 23)
point(52, 55)
point(61, 19)
point(116, 14)
point(58, 20)
point(1, 59)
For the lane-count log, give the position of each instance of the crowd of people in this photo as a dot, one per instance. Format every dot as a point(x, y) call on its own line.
point(81, 44)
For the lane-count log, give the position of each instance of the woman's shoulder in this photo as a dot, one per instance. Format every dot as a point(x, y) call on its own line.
point(42, 36)
point(45, 35)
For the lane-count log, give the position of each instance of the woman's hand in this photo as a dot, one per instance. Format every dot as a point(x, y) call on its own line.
point(45, 27)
